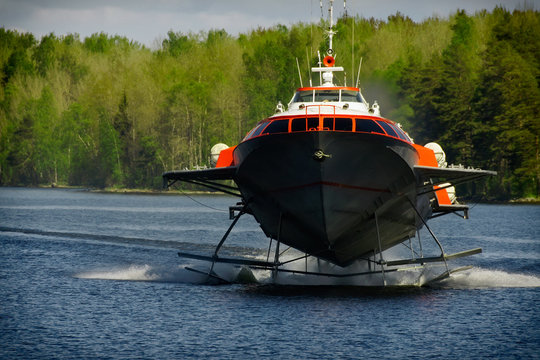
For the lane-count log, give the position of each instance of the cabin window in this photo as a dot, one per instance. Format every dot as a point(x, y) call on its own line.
point(313, 123)
point(343, 124)
point(298, 124)
point(389, 130)
point(350, 96)
point(328, 124)
point(327, 95)
point(252, 132)
point(303, 96)
point(249, 134)
point(367, 125)
point(401, 134)
point(277, 126)
point(259, 129)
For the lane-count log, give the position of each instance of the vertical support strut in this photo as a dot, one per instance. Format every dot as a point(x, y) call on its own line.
point(432, 235)
point(276, 255)
point(420, 244)
point(269, 247)
point(381, 260)
point(218, 247)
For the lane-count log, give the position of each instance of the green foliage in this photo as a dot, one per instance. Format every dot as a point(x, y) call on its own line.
point(44, 54)
point(103, 43)
point(177, 44)
point(106, 111)
point(508, 103)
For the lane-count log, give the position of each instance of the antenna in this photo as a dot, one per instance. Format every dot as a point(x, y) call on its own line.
point(308, 69)
point(299, 74)
point(326, 73)
point(310, 45)
point(352, 43)
point(330, 30)
point(320, 64)
point(359, 68)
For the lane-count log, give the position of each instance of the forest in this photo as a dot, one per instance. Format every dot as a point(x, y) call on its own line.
point(106, 111)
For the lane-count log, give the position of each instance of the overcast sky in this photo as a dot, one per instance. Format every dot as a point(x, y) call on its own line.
point(146, 21)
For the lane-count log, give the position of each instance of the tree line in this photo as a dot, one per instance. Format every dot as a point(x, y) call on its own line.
point(105, 111)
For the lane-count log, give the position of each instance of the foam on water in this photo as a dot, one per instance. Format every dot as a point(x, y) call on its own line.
point(132, 272)
point(478, 278)
point(139, 273)
point(475, 278)
point(146, 272)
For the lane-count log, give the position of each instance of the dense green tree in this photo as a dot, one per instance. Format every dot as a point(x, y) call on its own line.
point(44, 54)
point(177, 44)
point(419, 85)
point(14, 54)
point(454, 94)
point(507, 105)
point(270, 71)
point(106, 111)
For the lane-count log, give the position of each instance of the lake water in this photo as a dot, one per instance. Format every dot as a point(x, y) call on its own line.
point(90, 275)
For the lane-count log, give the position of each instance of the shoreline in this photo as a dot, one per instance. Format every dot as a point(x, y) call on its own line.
point(110, 190)
point(154, 192)
point(122, 190)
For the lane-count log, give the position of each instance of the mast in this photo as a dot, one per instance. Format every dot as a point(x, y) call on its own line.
point(330, 32)
point(329, 68)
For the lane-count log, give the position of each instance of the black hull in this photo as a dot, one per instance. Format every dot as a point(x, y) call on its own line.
point(325, 206)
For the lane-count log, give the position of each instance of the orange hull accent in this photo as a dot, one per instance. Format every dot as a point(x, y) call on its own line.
point(426, 157)
point(442, 196)
point(226, 157)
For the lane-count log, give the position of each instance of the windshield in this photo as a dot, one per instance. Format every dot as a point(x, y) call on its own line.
point(307, 96)
point(303, 96)
point(326, 95)
point(350, 96)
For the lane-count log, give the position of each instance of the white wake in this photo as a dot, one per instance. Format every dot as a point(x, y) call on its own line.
point(479, 278)
point(179, 274)
point(475, 278)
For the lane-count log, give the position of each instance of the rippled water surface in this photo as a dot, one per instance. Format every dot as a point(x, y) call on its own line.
point(90, 275)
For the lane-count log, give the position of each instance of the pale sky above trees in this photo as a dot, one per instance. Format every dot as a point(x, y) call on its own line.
point(148, 21)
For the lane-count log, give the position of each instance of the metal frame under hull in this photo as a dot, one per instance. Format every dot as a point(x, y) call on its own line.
point(375, 267)
point(340, 278)
point(277, 266)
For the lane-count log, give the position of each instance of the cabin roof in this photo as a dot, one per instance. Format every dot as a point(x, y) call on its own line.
point(328, 88)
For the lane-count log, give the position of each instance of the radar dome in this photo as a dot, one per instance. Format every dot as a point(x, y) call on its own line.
point(215, 151)
point(439, 153)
